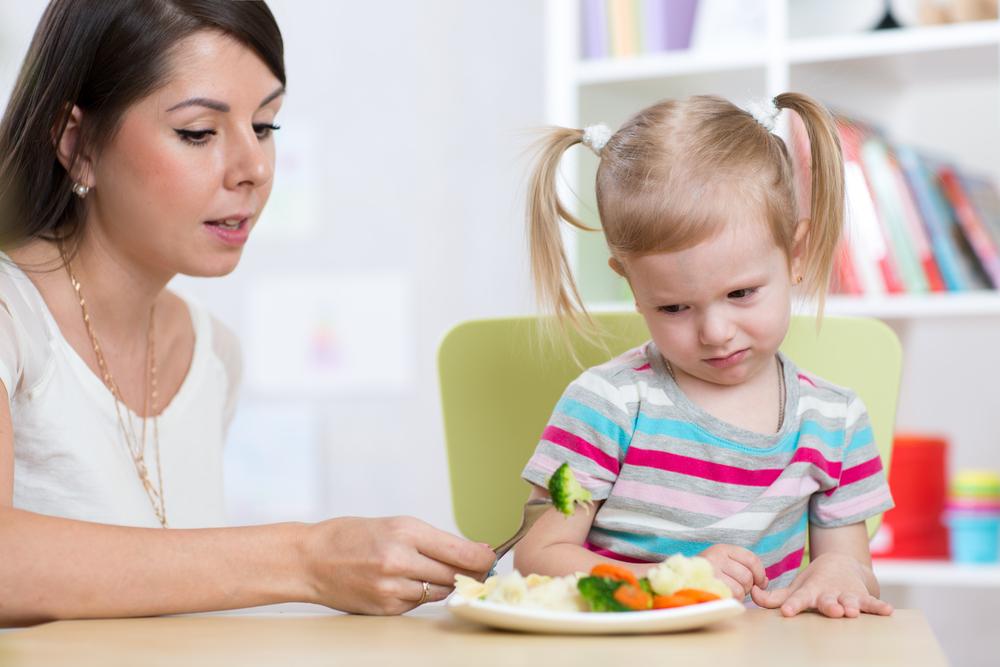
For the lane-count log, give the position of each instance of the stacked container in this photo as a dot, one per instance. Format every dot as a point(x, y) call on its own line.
point(973, 516)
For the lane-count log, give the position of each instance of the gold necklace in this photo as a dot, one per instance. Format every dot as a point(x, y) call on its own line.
point(781, 389)
point(136, 445)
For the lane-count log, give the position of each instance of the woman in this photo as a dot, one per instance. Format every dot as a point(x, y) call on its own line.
point(138, 144)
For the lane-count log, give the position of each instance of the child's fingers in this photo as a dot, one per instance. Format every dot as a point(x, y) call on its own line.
point(828, 604)
point(851, 604)
point(797, 602)
point(872, 605)
point(752, 563)
point(769, 599)
point(740, 574)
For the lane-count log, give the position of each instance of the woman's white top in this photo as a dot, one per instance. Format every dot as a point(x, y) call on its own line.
point(70, 455)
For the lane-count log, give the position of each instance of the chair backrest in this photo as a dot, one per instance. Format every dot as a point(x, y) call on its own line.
point(499, 385)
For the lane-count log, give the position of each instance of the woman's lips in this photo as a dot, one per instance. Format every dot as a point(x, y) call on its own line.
point(726, 362)
point(235, 236)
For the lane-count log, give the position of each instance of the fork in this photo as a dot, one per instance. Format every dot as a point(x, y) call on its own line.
point(533, 509)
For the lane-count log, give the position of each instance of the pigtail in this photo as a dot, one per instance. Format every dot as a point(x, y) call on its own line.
point(555, 288)
point(827, 192)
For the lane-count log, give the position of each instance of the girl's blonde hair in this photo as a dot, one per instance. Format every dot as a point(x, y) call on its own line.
point(674, 175)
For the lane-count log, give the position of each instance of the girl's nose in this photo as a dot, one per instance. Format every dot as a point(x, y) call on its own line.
point(250, 163)
point(715, 329)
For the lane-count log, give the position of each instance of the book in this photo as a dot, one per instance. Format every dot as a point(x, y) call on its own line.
point(982, 191)
point(976, 234)
point(936, 214)
point(622, 22)
point(594, 28)
point(879, 169)
point(915, 226)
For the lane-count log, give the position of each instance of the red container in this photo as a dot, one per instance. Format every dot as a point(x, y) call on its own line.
point(915, 527)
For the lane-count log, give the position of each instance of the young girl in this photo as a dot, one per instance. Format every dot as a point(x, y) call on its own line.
point(138, 144)
point(707, 440)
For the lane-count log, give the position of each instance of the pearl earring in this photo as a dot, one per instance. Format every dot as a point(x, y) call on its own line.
point(80, 190)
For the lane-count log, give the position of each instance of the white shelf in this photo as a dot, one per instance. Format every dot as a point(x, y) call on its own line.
point(667, 64)
point(936, 573)
point(903, 41)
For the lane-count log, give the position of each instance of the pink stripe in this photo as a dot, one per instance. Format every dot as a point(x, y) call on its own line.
point(548, 465)
point(789, 562)
point(853, 506)
point(644, 367)
point(794, 487)
point(607, 553)
point(813, 456)
point(575, 443)
point(806, 379)
point(861, 471)
point(686, 465)
point(667, 497)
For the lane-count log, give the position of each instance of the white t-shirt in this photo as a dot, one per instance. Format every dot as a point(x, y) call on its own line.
point(70, 456)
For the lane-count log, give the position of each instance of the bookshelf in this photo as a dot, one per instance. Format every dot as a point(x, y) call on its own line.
point(936, 87)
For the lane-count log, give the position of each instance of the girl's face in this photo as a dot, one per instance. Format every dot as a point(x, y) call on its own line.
point(193, 155)
point(717, 311)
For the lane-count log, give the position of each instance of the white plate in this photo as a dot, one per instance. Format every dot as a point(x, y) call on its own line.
point(508, 617)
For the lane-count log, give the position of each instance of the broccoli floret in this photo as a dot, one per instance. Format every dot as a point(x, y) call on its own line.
point(599, 593)
point(566, 491)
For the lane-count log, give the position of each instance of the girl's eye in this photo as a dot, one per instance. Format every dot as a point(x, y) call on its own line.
point(264, 130)
point(195, 137)
point(672, 309)
point(743, 293)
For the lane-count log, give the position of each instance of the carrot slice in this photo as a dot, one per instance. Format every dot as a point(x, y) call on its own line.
point(698, 594)
point(615, 572)
point(671, 601)
point(633, 597)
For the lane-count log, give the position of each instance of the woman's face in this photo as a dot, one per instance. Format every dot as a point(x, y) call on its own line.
point(182, 183)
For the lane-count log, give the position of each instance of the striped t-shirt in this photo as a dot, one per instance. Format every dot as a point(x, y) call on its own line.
point(675, 479)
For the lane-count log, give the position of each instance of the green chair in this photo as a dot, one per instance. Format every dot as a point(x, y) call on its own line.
point(499, 384)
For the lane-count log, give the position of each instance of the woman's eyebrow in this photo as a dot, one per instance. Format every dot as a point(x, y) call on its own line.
point(215, 105)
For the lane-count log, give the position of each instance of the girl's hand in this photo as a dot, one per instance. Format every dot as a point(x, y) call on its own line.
point(378, 566)
point(833, 584)
point(738, 568)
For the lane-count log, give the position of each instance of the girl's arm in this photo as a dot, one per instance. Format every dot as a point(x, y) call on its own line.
point(554, 545)
point(838, 581)
point(56, 568)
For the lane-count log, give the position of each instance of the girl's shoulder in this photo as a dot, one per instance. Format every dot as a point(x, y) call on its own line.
point(628, 367)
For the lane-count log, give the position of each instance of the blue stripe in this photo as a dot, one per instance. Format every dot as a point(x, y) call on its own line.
point(594, 420)
point(833, 439)
point(682, 430)
point(777, 540)
point(861, 438)
point(665, 546)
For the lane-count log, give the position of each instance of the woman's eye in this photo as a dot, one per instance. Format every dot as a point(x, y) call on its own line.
point(672, 309)
point(195, 137)
point(264, 130)
point(742, 293)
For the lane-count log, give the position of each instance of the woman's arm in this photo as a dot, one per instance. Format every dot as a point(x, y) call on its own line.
point(554, 545)
point(59, 568)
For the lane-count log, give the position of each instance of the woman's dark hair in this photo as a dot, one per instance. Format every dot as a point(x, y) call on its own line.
point(103, 56)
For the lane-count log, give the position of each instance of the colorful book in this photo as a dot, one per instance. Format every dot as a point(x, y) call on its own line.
point(915, 227)
point(936, 214)
point(594, 28)
point(862, 212)
point(622, 22)
point(982, 191)
point(978, 238)
point(879, 169)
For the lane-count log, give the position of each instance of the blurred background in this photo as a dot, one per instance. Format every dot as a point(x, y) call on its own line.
point(398, 212)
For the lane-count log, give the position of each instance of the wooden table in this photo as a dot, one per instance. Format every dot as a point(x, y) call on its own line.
point(432, 637)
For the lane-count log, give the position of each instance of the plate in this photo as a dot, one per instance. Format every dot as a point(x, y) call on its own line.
point(508, 617)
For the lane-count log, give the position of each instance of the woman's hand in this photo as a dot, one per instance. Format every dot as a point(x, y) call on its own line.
point(738, 568)
point(378, 566)
point(833, 584)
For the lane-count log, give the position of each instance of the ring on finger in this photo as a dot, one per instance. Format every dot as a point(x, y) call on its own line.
point(425, 593)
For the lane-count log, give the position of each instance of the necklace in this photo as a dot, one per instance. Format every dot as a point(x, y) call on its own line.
point(781, 389)
point(136, 444)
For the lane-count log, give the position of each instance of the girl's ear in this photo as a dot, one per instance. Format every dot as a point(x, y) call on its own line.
point(799, 249)
point(66, 145)
point(617, 267)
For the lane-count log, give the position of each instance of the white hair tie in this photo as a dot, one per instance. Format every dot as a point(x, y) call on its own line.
point(764, 112)
point(596, 136)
